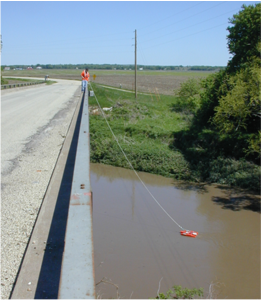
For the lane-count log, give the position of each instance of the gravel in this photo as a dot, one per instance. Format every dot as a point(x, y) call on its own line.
point(24, 187)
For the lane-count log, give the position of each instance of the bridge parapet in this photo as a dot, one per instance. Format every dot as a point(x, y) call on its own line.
point(77, 273)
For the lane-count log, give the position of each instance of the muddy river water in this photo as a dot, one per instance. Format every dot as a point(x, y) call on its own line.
point(138, 249)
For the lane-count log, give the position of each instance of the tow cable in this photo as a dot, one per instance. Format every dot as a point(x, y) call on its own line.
point(183, 232)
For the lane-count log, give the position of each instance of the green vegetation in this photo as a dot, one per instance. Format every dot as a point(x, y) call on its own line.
point(244, 36)
point(3, 81)
point(223, 141)
point(188, 96)
point(144, 129)
point(8, 80)
point(210, 130)
point(20, 79)
point(181, 293)
point(49, 82)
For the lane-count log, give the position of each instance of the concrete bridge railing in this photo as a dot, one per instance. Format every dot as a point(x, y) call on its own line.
point(77, 272)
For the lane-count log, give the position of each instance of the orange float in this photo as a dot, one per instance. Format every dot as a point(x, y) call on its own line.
point(189, 233)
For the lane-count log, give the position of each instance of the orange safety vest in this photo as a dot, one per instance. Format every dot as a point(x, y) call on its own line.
point(85, 76)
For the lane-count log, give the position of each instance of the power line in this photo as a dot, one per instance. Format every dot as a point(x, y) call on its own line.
point(141, 52)
point(185, 36)
point(190, 26)
point(170, 16)
point(183, 19)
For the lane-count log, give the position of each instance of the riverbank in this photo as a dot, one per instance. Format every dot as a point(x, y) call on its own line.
point(146, 128)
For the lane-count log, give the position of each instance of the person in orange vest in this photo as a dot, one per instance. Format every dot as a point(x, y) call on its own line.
point(85, 78)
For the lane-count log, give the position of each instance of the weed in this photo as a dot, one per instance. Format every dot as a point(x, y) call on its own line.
point(181, 293)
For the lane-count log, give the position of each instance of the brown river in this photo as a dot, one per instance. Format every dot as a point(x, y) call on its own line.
point(138, 249)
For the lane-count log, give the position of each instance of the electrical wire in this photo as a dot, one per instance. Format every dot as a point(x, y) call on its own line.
point(70, 50)
point(171, 16)
point(189, 26)
point(183, 19)
point(141, 52)
point(132, 166)
point(185, 36)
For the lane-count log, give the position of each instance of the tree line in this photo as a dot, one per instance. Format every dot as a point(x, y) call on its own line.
point(225, 108)
point(119, 67)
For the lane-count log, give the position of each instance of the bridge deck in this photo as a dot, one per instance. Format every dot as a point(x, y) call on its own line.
point(58, 262)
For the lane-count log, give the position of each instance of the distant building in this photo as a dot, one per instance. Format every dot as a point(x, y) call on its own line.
point(29, 68)
point(140, 69)
point(38, 68)
point(7, 68)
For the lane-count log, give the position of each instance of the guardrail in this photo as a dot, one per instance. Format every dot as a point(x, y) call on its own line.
point(77, 272)
point(5, 86)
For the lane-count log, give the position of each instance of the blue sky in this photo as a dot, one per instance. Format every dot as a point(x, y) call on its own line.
point(75, 32)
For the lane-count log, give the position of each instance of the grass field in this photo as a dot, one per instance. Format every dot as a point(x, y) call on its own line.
point(19, 80)
point(154, 82)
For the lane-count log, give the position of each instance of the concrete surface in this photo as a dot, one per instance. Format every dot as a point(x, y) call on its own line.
point(35, 121)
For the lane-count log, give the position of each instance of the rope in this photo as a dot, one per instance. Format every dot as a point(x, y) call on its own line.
point(132, 166)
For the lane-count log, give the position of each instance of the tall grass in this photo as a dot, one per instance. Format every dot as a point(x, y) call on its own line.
point(151, 134)
point(144, 129)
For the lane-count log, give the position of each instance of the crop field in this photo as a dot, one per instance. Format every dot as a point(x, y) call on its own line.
point(153, 82)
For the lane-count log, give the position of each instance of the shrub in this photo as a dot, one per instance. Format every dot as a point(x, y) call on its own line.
point(235, 173)
point(181, 293)
point(188, 96)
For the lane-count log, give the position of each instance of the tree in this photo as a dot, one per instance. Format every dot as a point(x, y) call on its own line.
point(240, 108)
point(244, 36)
point(230, 100)
point(213, 87)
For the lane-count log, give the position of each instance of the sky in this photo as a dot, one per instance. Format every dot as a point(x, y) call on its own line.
point(169, 33)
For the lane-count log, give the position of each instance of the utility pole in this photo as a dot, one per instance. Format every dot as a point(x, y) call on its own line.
point(135, 63)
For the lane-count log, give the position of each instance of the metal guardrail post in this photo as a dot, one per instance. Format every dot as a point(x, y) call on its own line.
point(77, 272)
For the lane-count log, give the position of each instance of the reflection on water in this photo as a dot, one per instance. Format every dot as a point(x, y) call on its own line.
point(136, 244)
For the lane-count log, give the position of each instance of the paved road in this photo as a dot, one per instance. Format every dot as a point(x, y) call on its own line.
point(34, 121)
point(26, 110)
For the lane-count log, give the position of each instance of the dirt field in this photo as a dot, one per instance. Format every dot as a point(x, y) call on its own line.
point(148, 82)
point(161, 84)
